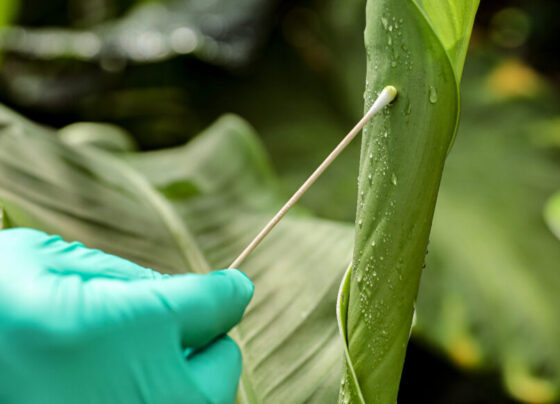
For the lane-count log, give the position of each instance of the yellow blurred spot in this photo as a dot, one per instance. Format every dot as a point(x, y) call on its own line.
point(513, 78)
point(465, 352)
point(528, 388)
point(461, 346)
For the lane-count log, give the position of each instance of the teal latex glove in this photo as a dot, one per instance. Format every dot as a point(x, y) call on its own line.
point(81, 326)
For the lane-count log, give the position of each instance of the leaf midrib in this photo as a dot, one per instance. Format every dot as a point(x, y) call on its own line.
point(188, 248)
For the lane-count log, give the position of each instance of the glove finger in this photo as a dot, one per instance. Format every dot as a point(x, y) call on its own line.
point(75, 259)
point(61, 257)
point(216, 370)
point(204, 306)
point(18, 247)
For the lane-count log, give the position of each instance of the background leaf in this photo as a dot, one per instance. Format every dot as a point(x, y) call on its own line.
point(491, 254)
point(289, 336)
point(100, 135)
point(86, 195)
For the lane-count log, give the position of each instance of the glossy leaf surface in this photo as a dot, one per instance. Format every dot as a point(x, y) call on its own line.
point(419, 48)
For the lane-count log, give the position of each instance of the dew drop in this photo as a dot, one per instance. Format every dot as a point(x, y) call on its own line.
point(384, 22)
point(433, 95)
point(373, 243)
point(394, 179)
point(408, 109)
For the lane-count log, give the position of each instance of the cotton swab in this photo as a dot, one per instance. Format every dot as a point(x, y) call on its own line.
point(386, 96)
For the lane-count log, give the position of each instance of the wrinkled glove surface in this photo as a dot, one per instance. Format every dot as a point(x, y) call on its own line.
point(81, 326)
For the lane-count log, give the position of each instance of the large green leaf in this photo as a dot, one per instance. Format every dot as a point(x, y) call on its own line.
point(86, 195)
point(418, 47)
point(289, 336)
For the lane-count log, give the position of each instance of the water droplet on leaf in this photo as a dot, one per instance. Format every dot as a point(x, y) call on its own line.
point(408, 109)
point(433, 95)
point(384, 22)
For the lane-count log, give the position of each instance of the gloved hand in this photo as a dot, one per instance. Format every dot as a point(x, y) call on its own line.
point(81, 326)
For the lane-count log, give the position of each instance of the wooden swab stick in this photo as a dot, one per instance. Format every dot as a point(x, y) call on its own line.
point(385, 97)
